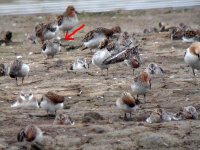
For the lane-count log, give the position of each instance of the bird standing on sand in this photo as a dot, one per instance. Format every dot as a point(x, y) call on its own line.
point(99, 57)
point(51, 102)
point(18, 69)
point(192, 56)
point(141, 84)
point(68, 20)
point(50, 48)
point(127, 103)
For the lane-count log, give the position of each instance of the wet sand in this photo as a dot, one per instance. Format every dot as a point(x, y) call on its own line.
point(175, 89)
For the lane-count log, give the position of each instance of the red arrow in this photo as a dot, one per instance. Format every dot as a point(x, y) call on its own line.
point(69, 38)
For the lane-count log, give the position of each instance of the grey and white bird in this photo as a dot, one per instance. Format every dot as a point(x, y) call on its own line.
point(99, 57)
point(79, 64)
point(51, 48)
point(153, 68)
point(26, 100)
point(18, 69)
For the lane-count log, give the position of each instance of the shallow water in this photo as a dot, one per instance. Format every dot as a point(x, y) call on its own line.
point(11, 7)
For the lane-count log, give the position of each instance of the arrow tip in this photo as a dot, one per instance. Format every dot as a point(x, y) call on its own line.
point(68, 37)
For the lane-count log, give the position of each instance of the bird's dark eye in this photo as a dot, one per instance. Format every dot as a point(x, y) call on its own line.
point(30, 94)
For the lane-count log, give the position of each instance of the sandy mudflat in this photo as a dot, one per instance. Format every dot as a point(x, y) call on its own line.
point(171, 91)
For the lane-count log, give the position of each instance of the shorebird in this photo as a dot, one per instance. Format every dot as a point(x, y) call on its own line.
point(50, 48)
point(153, 68)
point(80, 64)
point(93, 38)
point(51, 102)
point(127, 103)
point(46, 31)
point(188, 112)
point(191, 36)
point(30, 133)
point(99, 57)
point(26, 100)
point(159, 115)
point(141, 84)
point(63, 119)
point(18, 69)
point(192, 56)
point(68, 20)
point(132, 63)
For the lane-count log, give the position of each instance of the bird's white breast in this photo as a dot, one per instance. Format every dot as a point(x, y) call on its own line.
point(192, 60)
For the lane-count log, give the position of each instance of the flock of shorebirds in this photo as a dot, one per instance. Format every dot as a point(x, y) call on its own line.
point(113, 46)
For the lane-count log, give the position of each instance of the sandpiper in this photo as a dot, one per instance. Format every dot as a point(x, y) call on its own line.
point(188, 112)
point(68, 20)
point(19, 69)
point(141, 84)
point(132, 63)
point(26, 100)
point(30, 133)
point(63, 119)
point(160, 115)
point(93, 38)
point(127, 103)
point(192, 56)
point(80, 64)
point(189, 36)
point(51, 102)
point(154, 68)
point(50, 48)
point(46, 31)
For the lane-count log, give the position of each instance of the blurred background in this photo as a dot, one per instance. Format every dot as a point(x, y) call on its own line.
point(9, 7)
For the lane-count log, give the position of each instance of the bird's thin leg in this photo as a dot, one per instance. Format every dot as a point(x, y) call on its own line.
point(193, 72)
point(133, 71)
point(107, 71)
point(22, 80)
point(16, 81)
point(101, 72)
point(130, 115)
point(144, 97)
point(125, 117)
point(137, 96)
